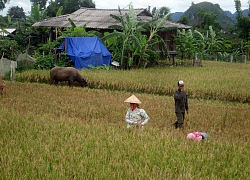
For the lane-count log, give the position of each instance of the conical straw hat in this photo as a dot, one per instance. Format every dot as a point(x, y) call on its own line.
point(133, 99)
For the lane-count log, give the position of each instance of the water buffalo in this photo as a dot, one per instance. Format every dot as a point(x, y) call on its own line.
point(69, 74)
point(2, 85)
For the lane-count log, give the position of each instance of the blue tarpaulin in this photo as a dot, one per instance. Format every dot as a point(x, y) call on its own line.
point(85, 51)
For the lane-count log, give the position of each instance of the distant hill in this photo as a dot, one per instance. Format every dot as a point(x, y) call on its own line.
point(222, 17)
point(225, 18)
point(233, 16)
point(176, 16)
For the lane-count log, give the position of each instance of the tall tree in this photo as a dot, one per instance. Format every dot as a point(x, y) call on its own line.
point(52, 9)
point(206, 19)
point(2, 4)
point(41, 2)
point(243, 23)
point(69, 6)
point(238, 7)
point(3, 22)
point(183, 20)
point(16, 12)
point(248, 8)
point(37, 34)
point(161, 12)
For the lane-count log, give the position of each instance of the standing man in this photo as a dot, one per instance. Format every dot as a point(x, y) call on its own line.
point(181, 104)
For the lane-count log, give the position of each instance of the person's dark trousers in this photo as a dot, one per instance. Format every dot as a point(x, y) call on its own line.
point(180, 119)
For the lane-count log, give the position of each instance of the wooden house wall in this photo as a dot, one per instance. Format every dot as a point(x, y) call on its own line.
point(168, 37)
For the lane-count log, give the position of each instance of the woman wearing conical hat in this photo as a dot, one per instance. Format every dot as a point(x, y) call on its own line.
point(135, 116)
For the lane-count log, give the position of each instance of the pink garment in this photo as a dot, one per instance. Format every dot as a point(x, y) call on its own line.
point(195, 136)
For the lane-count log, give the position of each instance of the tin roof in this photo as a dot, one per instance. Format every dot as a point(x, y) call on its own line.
point(6, 31)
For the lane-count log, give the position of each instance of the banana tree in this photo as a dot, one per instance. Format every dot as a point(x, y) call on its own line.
point(136, 47)
point(186, 43)
point(148, 48)
point(127, 32)
point(59, 13)
point(36, 35)
point(214, 45)
point(247, 48)
point(75, 31)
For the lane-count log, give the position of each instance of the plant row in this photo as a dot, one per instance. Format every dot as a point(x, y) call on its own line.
point(218, 83)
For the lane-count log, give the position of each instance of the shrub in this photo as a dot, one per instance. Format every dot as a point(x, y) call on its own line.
point(45, 62)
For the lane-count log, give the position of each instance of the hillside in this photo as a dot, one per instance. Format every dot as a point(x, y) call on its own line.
point(233, 16)
point(225, 18)
point(177, 15)
point(222, 17)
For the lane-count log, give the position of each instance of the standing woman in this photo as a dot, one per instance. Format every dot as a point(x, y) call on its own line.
point(181, 104)
point(135, 116)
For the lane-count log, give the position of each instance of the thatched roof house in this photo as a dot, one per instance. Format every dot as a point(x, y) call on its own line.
point(100, 19)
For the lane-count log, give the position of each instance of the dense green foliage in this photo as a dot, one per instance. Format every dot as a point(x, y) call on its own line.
point(46, 54)
point(69, 6)
point(16, 12)
point(160, 13)
point(137, 48)
point(243, 22)
point(206, 19)
point(2, 4)
point(9, 48)
point(42, 3)
point(191, 42)
point(132, 43)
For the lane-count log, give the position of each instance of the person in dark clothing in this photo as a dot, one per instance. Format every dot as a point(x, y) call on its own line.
point(181, 104)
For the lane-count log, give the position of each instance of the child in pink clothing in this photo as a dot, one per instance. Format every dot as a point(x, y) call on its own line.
point(198, 136)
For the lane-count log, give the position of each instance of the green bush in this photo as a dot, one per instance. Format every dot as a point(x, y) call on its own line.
point(64, 60)
point(9, 48)
point(22, 65)
point(45, 62)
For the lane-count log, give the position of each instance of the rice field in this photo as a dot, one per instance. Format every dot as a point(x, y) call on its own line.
point(215, 80)
point(50, 132)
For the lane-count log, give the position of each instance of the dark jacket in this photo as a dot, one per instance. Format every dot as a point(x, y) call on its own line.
point(181, 101)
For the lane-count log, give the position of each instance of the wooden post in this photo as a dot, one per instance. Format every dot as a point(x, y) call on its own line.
point(173, 54)
point(13, 66)
point(1, 65)
point(245, 58)
point(231, 58)
point(173, 60)
point(195, 59)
